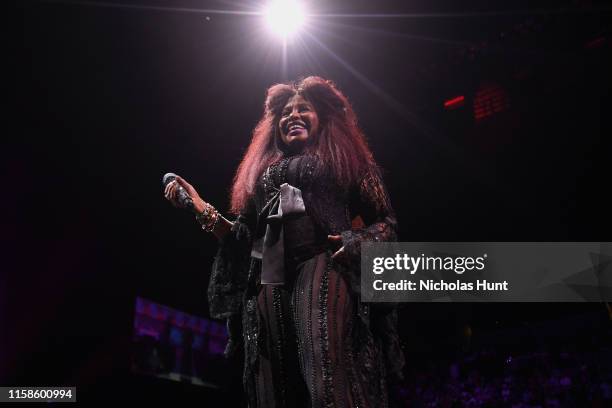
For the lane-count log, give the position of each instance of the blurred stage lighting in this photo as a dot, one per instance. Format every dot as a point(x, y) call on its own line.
point(284, 17)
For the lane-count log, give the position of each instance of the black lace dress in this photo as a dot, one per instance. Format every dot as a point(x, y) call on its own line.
point(308, 340)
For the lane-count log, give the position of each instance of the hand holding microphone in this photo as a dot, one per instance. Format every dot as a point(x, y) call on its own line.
point(182, 194)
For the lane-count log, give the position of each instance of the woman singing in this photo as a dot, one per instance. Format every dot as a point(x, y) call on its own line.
point(287, 273)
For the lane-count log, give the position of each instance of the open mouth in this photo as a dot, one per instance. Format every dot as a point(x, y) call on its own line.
point(295, 127)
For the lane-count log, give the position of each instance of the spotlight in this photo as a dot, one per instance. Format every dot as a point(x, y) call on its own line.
point(284, 17)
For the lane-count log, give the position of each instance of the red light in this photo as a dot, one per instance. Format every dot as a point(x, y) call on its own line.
point(489, 100)
point(454, 103)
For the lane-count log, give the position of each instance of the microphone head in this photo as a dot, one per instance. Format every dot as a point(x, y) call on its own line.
point(168, 178)
point(182, 197)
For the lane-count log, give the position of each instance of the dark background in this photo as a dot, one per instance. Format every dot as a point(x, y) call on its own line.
point(108, 99)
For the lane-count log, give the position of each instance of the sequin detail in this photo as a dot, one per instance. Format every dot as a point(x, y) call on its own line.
point(309, 343)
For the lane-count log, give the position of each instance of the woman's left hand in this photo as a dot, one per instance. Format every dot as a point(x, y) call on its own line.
point(337, 240)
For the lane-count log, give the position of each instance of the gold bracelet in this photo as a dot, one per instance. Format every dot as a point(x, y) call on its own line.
point(208, 218)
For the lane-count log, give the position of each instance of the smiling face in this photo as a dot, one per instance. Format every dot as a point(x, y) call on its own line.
point(298, 122)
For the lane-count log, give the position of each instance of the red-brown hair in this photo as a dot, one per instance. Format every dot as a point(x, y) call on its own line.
point(340, 145)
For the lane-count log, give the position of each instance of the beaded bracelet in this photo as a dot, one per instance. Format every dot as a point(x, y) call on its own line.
point(208, 218)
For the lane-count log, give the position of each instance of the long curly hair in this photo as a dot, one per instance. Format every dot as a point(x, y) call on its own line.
point(339, 144)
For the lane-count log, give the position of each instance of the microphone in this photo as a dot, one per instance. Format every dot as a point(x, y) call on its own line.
point(182, 197)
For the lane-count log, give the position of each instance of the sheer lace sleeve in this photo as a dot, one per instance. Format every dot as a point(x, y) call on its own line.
point(230, 269)
point(372, 204)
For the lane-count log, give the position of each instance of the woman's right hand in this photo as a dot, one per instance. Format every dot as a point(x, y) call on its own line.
point(171, 194)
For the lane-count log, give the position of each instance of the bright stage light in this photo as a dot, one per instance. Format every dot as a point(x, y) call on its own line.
point(284, 17)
